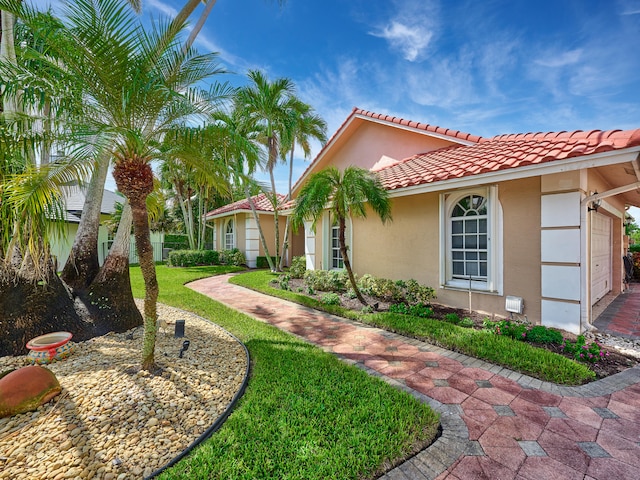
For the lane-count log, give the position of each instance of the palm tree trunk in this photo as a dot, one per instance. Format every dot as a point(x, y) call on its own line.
point(112, 286)
point(147, 266)
point(285, 240)
point(345, 258)
point(276, 222)
point(257, 220)
point(82, 266)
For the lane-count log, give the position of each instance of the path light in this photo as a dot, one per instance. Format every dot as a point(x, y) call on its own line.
point(179, 333)
point(185, 347)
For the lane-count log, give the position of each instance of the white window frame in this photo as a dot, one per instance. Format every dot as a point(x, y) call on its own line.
point(333, 250)
point(327, 229)
point(493, 283)
point(228, 235)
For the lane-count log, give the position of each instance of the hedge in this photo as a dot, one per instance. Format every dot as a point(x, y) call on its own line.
point(191, 258)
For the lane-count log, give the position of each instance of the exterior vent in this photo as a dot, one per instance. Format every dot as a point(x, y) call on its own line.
point(514, 304)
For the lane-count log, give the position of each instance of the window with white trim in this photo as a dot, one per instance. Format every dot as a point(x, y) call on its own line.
point(229, 236)
point(336, 256)
point(470, 240)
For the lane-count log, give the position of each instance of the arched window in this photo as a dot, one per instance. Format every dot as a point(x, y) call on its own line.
point(229, 236)
point(469, 238)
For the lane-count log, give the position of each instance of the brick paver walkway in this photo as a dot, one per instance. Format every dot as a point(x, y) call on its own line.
point(496, 423)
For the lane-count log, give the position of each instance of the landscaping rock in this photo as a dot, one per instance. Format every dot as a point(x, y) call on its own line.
point(25, 389)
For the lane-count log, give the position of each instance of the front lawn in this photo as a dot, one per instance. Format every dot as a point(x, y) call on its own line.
point(500, 350)
point(305, 414)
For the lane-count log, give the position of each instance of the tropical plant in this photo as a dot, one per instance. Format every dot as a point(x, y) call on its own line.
point(344, 194)
point(302, 126)
point(269, 105)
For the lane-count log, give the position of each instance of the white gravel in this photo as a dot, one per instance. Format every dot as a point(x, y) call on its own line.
point(111, 422)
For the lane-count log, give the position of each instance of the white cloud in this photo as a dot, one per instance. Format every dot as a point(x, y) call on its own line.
point(162, 7)
point(562, 59)
point(411, 28)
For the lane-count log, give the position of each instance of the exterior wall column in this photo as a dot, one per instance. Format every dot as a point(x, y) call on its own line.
point(562, 260)
point(252, 241)
point(309, 246)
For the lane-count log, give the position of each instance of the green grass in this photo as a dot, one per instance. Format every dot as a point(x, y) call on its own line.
point(305, 414)
point(514, 354)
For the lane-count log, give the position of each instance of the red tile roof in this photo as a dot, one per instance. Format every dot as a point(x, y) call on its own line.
point(453, 134)
point(503, 152)
point(261, 202)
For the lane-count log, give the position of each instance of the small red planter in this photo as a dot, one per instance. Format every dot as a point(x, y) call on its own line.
point(50, 347)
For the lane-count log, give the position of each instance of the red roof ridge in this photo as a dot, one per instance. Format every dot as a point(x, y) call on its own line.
point(261, 202)
point(418, 125)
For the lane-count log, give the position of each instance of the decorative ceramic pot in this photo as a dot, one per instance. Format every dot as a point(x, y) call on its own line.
point(50, 347)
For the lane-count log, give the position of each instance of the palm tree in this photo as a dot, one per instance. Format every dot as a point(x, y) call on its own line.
point(136, 86)
point(238, 145)
point(303, 125)
point(268, 104)
point(344, 194)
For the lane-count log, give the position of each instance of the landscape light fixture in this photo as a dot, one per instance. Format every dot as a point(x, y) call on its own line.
point(185, 347)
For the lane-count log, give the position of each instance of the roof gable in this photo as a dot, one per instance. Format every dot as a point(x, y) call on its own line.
point(261, 202)
point(373, 141)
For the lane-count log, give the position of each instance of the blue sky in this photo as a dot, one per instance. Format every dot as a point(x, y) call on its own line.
point(485, 67)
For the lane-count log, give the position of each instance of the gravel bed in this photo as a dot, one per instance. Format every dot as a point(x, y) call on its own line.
point(113, 421)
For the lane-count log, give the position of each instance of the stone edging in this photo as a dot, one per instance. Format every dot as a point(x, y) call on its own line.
point(221, 418)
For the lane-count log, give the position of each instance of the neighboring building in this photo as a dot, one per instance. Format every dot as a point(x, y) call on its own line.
point(74, 201)
point(235, 227)
point(532, 221)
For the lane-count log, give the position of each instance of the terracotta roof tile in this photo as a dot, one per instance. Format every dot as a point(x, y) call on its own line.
point(261, 202)
point(503, 152)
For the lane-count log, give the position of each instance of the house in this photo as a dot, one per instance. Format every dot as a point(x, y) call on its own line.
point(74, 202)
point(526, 223)
point(234, 226)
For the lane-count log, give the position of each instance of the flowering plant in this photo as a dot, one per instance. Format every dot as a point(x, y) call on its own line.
point(583, 351)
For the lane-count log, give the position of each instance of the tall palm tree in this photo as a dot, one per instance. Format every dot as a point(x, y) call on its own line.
point(303, 125)
point(136, 86)
point(268, 103)
point(345, 194)
point(239, 134)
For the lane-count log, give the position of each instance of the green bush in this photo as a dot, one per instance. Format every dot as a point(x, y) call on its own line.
point(542, 334)
point(283, 281)
point(177, 241)
point(191, 258)
point(327, 280)
point(418, 294)
point(330, 298)
point(452, 318)
point(233, 257)
point(466, 322)
point(262, 262)
point(422, 311)
point(634, 247)
point(298, 267)
point(584, 352)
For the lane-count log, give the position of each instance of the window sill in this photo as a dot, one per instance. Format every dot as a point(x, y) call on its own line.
point(474, 289)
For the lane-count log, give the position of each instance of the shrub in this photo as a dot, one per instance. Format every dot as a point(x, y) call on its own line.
point(262, 262)
point(298, 267)
point(387, 290)
point(366, 283)
point(233, 257)
point(420, 310)
point(584, 352)
point(177, 241)
point(542, 334)
point(466, 322)
point(327, 280)
point(416, 293)
point(283, 281)
point(330, 298)
point(191, 258)
point(517, 331)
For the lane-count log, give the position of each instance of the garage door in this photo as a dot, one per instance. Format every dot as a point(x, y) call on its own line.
point(600, 256)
